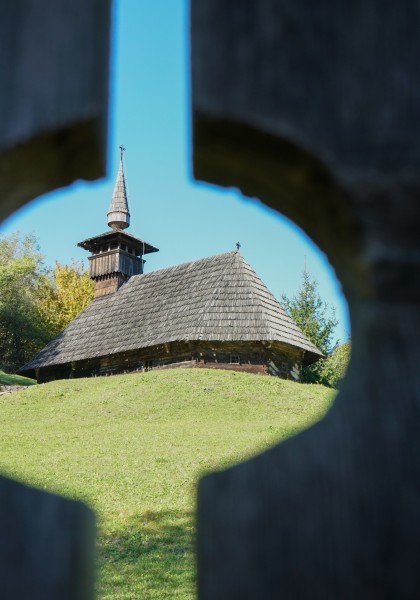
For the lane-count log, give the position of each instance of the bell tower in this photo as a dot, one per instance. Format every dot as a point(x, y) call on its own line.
point(116, 255)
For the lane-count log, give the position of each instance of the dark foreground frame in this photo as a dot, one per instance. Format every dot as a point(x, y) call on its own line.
point(298, 104)
point(313, 108)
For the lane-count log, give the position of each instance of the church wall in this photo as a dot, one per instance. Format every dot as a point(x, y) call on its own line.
point(257, 369)
point(252, 357)
point(108, 285)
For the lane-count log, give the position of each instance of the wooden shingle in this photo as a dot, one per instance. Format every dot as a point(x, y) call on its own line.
point(215, 299)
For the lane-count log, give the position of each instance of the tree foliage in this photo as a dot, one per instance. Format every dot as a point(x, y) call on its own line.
point(64, 293)
point(335, 366)
point(35, 303)
point(22, 333)
point(315, 319)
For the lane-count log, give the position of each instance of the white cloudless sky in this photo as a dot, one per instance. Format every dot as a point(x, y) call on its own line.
point(185, 219)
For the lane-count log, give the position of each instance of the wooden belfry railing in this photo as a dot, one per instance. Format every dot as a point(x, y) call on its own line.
point(313, 108)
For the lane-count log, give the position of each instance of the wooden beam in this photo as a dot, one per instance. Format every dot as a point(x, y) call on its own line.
point(47, 545)
point(54, 70)
point(312, 107)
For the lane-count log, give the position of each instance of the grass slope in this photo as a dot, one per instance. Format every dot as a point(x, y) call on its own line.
point(9, 379)
point(133, 447)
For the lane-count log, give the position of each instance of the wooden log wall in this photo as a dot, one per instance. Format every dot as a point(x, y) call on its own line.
point(283, 361)
point(108, 284)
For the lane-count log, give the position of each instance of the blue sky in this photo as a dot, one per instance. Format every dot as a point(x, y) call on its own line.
point(149, 114)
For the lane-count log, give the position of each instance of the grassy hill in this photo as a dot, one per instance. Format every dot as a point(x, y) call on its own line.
point(133, 447)
point(9, 379)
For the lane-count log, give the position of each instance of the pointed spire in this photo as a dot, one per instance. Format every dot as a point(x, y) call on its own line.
point(118, 213)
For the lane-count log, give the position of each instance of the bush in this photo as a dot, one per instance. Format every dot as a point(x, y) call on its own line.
point(334, 367)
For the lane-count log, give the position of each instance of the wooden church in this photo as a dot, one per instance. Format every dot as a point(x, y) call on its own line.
point(214, 312)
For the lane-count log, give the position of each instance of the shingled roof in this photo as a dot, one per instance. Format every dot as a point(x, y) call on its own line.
point(219, 298)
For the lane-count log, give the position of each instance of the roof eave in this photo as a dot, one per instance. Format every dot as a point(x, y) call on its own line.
point(93, 242)
point(311, 357)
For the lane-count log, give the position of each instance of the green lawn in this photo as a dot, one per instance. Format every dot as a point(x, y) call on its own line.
point(8, 379)
point(133, 447)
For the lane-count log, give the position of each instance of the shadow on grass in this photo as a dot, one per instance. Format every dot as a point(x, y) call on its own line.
point(9, 379)
point(151, 557)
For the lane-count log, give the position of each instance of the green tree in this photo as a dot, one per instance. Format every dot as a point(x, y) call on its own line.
point(335, 366)
point(63, 294)
point(35, 303)
point(315, 319)
point(22, 332)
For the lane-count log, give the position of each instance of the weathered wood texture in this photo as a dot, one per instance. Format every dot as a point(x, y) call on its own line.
point(53, 130)
point(312, 107)
point(214, 299)
point(108, 285)
point(53, 96)
point(115, 261)
point(47, 545)
point(299, 102)
point(254, 357)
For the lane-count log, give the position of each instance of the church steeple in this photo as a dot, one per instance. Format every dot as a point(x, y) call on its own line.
point(116, 255)
point(118, 213)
